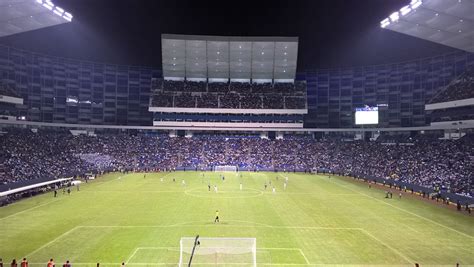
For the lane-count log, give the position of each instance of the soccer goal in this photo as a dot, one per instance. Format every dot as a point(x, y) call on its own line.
point(209, 251)
point(225, 168)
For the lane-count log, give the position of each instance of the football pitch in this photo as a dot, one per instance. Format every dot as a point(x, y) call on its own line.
point(316, 221)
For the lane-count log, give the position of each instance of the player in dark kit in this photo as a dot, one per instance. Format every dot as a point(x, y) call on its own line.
point(217, 216)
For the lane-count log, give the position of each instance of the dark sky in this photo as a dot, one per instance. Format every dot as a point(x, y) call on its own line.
point(331, 33)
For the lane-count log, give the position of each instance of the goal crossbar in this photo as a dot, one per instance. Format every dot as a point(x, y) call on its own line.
point(218, 251)
point(225, 168)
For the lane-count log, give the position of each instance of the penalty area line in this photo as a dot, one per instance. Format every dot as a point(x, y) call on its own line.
point(52, 241)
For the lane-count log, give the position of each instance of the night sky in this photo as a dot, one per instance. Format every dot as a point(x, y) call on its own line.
point(332, 33)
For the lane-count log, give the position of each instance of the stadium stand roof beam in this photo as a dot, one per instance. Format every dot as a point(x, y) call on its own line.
point(446, 22)
point(220, 58)
point(17, 16)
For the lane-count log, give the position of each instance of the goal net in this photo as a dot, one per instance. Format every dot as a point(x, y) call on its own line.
point(225, 168)
point(218, 251)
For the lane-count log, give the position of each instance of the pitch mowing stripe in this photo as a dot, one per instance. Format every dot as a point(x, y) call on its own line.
point(32, 208)
point(221, 225)
point(131, 256)
point(54, 240)
point(177, 249)
point(404, 210)
point(266, 264)
point(388, 246)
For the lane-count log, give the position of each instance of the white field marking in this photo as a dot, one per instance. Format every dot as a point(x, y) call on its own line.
point(166, 175)
point(291, 249)
point(404, 210)
point(192, 192)
point(254, 193)
point(54, 240)
point(131, 256)
point(113, 263)
point(304, 256)
point(111, 180)
point(263, 263)
point(388, 246)
point(32, 208)
point(158, 248)
point(324, 194)
point(137, 191)
point(252, 223)
point(177, 248)
point(222, 225)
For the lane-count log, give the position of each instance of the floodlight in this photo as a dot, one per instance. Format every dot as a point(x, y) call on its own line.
point(395, 16)
point(405, 10)
point(67, 16)
point(58, 11)
point(39, 1)
point(384, 23)
point(415, 4)
point(48, 5)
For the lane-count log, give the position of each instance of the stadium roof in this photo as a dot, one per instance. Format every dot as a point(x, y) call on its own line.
point(17, 16)
point(237, 58)
point(447, 22)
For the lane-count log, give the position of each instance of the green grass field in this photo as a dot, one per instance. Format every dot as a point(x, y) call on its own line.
point(316, 221)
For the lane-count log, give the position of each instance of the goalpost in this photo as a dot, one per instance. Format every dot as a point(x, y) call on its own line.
point(217, 251)
point(225, 168)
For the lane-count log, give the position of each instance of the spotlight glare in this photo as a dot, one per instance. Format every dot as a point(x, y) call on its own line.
point(395, 16)
point(405, 10)
point(58, 11)
point(48, 5)
point(415, 4)
point(67, 16)
point(384, 23)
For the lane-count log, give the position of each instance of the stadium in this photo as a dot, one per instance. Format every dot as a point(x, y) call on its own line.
point(263, 133)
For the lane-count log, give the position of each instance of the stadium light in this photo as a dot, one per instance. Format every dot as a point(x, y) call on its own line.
point(384, 23)
point(58, 11)
point(395, 16)
point(405, 10)
point(67, 16)
point(39, 1)
point(48, 4)
point(415, 4)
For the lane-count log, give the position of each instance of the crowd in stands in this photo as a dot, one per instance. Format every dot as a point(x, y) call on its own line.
point(228, 100)
point(427, 162)
point(228, 95)
point(460, 88)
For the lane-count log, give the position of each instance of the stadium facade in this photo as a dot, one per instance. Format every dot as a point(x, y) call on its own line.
point(82, 92)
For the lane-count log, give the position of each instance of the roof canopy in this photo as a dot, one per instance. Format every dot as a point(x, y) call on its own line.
point(447, 22)
point(222, 58)
point(17, 16)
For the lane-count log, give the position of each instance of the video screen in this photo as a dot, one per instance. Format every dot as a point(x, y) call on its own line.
point(367, 115)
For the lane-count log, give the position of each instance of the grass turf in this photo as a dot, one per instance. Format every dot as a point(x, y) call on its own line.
point(316, 221)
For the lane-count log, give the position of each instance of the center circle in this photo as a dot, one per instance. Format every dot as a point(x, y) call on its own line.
point(244, 193)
